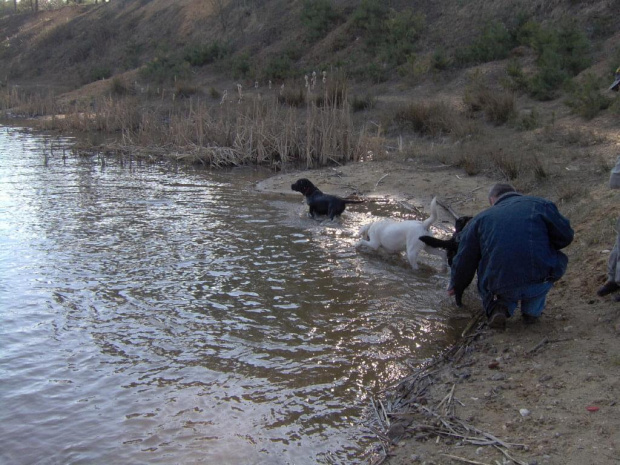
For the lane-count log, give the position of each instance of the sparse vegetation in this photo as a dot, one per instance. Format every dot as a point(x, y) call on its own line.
point(585, 98)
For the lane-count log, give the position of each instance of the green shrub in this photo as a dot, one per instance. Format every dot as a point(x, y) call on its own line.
point(517, 80)
point(165, 69)
point(279, 67)
point(318, 17)
point(240, 65)
point(494, 43)
point(200, 55)
point(585, 98)
point(440, 60)
point(369, 18)
point(100, 72)
point(561, 54)
point(402, 30)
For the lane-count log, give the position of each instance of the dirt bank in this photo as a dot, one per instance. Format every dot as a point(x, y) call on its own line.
point(541, 394)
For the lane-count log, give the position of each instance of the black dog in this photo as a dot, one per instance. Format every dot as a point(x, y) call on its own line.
point(321, 204)
point(451, 245)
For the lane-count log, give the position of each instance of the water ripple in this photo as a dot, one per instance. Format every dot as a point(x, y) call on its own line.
point(152, 314)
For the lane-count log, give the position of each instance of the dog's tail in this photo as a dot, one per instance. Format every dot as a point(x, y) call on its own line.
point(434, 242)
point(431, 219)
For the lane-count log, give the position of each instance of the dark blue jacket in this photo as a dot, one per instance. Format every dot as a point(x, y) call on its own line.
point(514, 243)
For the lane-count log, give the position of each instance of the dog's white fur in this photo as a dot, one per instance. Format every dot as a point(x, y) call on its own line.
point(402, 236)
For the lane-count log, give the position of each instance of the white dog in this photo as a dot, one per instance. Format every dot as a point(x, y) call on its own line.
point(402, 236)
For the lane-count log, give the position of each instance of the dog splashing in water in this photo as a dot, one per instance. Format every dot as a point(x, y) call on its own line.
point(320, 203)
point(401, 236)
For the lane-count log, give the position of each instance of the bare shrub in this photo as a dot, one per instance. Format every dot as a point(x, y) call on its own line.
point(498, 106)
point(432, 119)
point(294, 97)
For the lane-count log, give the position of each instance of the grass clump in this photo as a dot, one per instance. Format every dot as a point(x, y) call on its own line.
point(497, 106)
point(429, 119)
point(528, 121)
point(367, 102)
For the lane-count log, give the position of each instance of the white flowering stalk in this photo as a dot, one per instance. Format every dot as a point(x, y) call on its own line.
point(224, 96)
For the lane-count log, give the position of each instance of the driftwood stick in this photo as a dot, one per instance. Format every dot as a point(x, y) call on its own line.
point(538, 346)
point(447, 207)
point(464, 460)
point(471, 324)
point(382, 178)
point(509, 457)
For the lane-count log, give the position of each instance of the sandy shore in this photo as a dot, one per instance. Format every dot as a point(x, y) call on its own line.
point(541, 394)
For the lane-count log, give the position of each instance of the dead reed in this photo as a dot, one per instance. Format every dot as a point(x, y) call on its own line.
point(245, 130)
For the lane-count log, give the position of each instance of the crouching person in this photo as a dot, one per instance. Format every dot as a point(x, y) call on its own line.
point(515, 247)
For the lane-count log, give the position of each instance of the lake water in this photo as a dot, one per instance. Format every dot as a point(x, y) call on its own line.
point(152, 313)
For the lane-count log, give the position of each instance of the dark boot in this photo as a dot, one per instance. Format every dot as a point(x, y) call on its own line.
point(607, 288)
point(498, 316)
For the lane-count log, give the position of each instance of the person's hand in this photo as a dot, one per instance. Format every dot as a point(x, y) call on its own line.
point(458, 298)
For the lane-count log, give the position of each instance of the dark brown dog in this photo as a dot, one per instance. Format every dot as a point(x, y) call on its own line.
point(320, 203)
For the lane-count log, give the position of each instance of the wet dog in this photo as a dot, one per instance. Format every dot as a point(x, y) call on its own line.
point(401, 236)
point(450, 245)
point(320, 203)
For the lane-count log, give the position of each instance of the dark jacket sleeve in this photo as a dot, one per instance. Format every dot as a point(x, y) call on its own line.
point(466, 261)
point(560, 232)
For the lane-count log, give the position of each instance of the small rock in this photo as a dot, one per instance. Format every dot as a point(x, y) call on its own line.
point(494, 365)
point(524, 412)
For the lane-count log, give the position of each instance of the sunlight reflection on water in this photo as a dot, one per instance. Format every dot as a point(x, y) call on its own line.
point(156, 314)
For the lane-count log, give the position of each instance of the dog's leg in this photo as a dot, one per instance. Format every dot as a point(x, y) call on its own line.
point(413, 250)
point(441, 253)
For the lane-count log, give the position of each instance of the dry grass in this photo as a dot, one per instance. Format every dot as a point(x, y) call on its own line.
point(253, 131)
point(434, 119)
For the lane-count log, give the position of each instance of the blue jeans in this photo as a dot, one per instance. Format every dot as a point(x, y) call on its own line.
point(532, 298)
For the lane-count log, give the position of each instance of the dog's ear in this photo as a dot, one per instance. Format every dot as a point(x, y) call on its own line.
point(461, 222)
